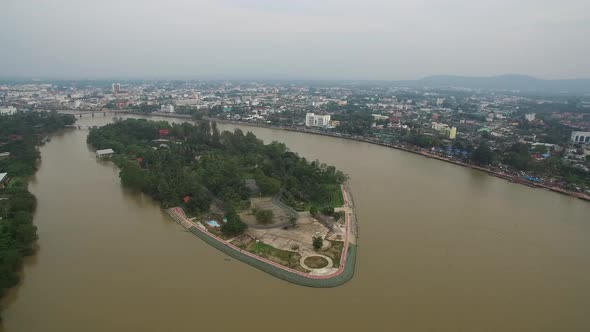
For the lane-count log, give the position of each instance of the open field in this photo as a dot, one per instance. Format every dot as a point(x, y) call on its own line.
point(336, 199)
point(287, 258)
point(285, 239)
point(264, 203)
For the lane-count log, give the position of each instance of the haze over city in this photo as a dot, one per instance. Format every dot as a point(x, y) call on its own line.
point(208, 165)
point(293, 39)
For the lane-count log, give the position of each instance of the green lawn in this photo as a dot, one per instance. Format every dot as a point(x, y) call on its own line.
point(287, 258)
point(335, 252)
point(336, 199)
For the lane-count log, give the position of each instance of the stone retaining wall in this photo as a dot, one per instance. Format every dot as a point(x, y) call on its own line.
point(340, 279)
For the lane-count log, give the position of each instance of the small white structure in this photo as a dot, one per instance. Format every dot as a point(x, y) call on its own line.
point(10, 110)
point(3, 179)
point(379, 117)
point(4, 155)
point(312, 120)
point(167, 109)
point(530, 117)
point(104, 153)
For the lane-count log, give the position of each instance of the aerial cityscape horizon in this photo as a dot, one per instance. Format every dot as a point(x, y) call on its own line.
point(289, 165)
point(295, 38)
point(271, 77)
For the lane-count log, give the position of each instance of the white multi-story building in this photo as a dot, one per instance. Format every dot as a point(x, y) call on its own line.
point(7, 110)
point(116, 87)
point(312, 120)
point(530, 117)
point(581, 137)
point(167, 109)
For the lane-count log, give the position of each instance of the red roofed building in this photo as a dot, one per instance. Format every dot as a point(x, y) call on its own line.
point(164, 132)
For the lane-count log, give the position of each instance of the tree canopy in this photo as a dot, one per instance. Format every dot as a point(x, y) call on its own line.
point(19, 135)
point(192, 165)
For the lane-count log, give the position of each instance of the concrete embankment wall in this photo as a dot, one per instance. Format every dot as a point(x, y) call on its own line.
point(345, 276)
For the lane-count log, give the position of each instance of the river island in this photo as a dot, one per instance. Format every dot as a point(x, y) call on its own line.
point(259, 203)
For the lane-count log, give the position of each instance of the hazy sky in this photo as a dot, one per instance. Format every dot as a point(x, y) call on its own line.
point(316, 39)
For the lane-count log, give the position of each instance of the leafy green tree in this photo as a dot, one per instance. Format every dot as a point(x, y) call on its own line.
point(318, 242)
point(19, 135)
point(313, 211)
point(264, 216)
point(328, 210)
point(234, 225)
point(483, 155)
point(268, 186)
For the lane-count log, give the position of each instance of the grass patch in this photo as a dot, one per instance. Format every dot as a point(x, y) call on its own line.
point(316, 262)
point(17, 182)
point(334, 252)
point(336, 199)
point(283, 257)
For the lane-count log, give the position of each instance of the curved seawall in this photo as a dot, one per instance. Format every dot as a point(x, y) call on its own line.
point(341, 278)
point(344, 273)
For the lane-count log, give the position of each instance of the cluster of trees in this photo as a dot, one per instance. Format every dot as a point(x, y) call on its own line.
point(199, 164)
point(483, 155)
point(19, 135)
point(233, 224)
point(17, 233)
point(354, 122)
point(328, 211)
point(518, 156)
point(423, 141)
point(317, 242)
point(264, 216)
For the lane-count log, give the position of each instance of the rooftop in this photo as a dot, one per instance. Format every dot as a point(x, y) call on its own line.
point(104, 151)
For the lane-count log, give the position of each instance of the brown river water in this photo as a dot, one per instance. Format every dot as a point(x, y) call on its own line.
point(441, 248)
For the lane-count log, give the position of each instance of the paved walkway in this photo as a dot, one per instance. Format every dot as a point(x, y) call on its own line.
point(180, 217)
point(328, 269)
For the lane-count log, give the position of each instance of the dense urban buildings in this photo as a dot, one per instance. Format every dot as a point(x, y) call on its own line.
point(540, 136)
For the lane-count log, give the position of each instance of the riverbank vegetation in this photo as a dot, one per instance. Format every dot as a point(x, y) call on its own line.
point(19, 135)
point(194, 166)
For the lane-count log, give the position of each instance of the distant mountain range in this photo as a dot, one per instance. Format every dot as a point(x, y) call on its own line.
point(521, 83)
point(503, 82)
